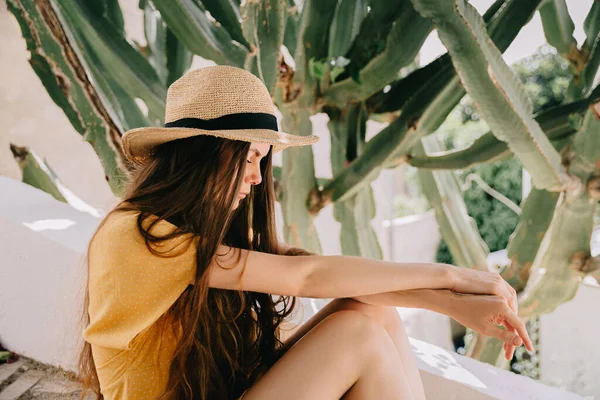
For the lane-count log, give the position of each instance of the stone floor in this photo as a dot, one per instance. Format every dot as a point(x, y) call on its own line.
point(28, 379)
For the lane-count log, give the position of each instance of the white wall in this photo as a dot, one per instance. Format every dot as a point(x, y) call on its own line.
point(570, 346)
point(42, 242)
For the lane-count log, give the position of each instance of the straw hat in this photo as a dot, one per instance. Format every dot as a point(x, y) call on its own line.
point(221, 101)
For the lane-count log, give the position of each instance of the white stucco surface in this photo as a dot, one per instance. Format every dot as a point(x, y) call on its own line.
point(450, 376)
point(569, 344)
point(42, 245)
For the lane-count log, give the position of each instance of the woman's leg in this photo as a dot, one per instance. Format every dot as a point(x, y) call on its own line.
point(388, 318)
point(346, 353)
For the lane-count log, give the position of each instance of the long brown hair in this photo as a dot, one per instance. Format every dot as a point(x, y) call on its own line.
point(229, 338)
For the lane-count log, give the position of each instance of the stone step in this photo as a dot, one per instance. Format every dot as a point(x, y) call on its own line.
point(21, 385)
point(7, 370)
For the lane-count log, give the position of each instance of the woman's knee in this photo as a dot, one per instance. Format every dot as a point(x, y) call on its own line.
point(387, 316)
point(358, 328)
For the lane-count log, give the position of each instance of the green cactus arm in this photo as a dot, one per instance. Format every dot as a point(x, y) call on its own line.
point(357, 236)
point(56, 61)
point(364, 212)
point(374, 30)
point(227, 12)
point(189, 22)
point(552, 281)
point(169, 57)
point(486, 349)
point(484, 149)
point(556, 122)
point(586, 77)
point(110, 10)
point(555, 273)
point(373, 34)
point(401, 90)
point(345, 25)
point(403, 42)
point(499, 95)
point(558, 26)
point(504, 20)
point(290, 37)
point(119, 103)
point(536, 215)
point(35, 172)
point(591, 25)
point(296, 181)
point(585, 163)
point(156, 39)
point(298, 173)
point(313, 42)
point(458, 229)
point(426, 110)
point(263, 27)
point(179, 58)
point(277, 176)
point(586, 68)
point(124, 63)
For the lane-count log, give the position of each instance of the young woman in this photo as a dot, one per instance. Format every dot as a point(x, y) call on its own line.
point(181, 273)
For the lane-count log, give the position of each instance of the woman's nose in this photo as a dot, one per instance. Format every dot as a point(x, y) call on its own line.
point(254, 177)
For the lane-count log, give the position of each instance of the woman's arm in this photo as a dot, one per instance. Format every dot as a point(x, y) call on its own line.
point(349, 276)
point(463, 282)
point(438, 300)
point(320, 276)
point(479, 312)
point(343, 276)
point(429, 275)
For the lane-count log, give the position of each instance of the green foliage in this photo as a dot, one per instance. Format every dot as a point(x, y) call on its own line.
point(495, 221)
point(406, 205)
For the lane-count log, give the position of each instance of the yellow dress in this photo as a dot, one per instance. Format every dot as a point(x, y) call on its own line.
point(130, 290)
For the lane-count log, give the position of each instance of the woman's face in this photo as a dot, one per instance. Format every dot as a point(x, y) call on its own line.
point(252, 174)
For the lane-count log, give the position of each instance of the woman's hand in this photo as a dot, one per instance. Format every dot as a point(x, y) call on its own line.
point(470, 281)
point(483, 312)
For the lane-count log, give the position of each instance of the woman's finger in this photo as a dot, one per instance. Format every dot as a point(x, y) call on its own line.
point(508, 337)
point(506, 351)
point(514, 305)
point(510, 295)
point(513, 320)
point(509, 350)
point(500, 287)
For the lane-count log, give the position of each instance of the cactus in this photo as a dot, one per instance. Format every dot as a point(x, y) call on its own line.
point(347, 58)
